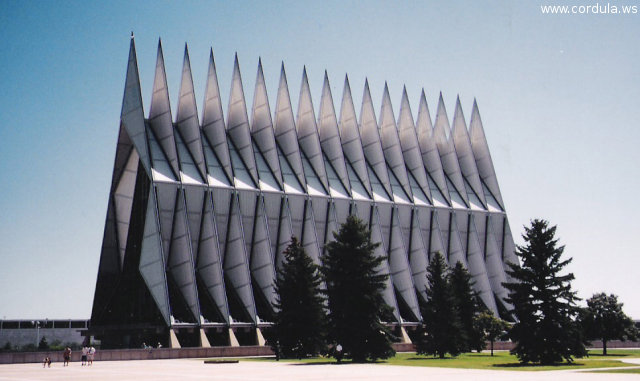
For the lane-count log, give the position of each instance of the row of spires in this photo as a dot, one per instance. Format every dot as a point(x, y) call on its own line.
point(422, 137)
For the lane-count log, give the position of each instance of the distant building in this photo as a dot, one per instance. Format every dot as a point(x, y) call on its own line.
point(20, 333)
point(201, 209)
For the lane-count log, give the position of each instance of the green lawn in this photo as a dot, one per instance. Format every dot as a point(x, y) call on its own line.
point(502, 360)
point(631, 371)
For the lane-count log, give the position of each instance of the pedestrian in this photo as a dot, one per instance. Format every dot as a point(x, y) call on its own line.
point(66, 355)
point(85, 351)
point(92, 353)
point(339, 353)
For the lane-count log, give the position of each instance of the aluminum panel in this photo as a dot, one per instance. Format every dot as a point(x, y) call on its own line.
point(482, 155)
point(238, 123)
point(380, 251)
point(308, 137)
point(123, 199)
point(167, 198)
point(187, 117)
point(236, 263)
point(209, 260)
point(261, 263)
point(371, 143)
point(213, 120)
point(152, 264)
point(350, 137)
point(429, 150)
point(409, 143)
point(285, 128)
point(465, 153)
point(132, 113)
point(391, 142)
point(160, 114)
point(447, 151)
point(399, 268)
point(262, 127)
point(330, 136)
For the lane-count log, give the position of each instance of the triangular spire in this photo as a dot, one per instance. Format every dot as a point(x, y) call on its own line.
point(371, 144)
point(187, 116)
point(429, 150)
point(482, 155)
point(409, 144)
point(308, 137)
point(391, 142)
point(464, 151)
point(160, 114)
point(448, 156)
point(132, 114)
point(238, 123)
point(329, 135)
point(262, 126)
point(350, 136)
point(213, 120)
point(285, 127)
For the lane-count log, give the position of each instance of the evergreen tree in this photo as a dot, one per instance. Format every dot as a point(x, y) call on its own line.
point(354, 291)
point(603, 319)
point(490, 326)
point(43, 345)
point(442, 331)
point(299, 326)
point(467, 306)
point(544, 305)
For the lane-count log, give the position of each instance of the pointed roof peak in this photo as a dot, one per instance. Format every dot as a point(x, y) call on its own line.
point(304, 71)
point(366, 82)
point(386, 87)
point(235, 58)
point(159, 43)
point(186, 47)
point(346, 80)
point(132, 35)
point(259, 62)
point(405, 97)
point(422, 94)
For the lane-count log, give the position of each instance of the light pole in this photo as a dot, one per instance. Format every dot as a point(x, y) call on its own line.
point(37, 324)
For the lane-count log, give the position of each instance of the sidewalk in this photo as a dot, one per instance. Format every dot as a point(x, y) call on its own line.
point(193, 369)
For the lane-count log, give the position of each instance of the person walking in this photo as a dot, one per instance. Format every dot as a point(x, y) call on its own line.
point(92, 353)
point(66, 355)
point(85, 351)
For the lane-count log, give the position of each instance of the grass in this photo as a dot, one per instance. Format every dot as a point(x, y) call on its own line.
point(631, 371)
point(502, 360)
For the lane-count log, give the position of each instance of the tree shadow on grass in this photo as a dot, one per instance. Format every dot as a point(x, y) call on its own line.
point(530, 365)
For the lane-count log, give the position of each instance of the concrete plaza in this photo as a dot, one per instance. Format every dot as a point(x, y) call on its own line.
point(193, 369)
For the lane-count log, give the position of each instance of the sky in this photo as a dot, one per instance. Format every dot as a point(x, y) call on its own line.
point(558, 95)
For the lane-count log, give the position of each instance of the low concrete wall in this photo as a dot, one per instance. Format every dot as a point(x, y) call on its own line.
point(155, 354)
point(138, 354)
point(171, 353)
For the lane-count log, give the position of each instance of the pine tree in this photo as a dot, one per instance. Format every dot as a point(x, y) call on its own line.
point(604, 319)
point(442, 331)
point(354, 291)
point(544, 305)
point(467, 306)
point(299, 326)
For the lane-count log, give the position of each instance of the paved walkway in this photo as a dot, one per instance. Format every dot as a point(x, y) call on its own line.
point(191, 369)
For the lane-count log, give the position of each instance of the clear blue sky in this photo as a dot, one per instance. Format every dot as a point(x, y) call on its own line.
point(558, 96)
